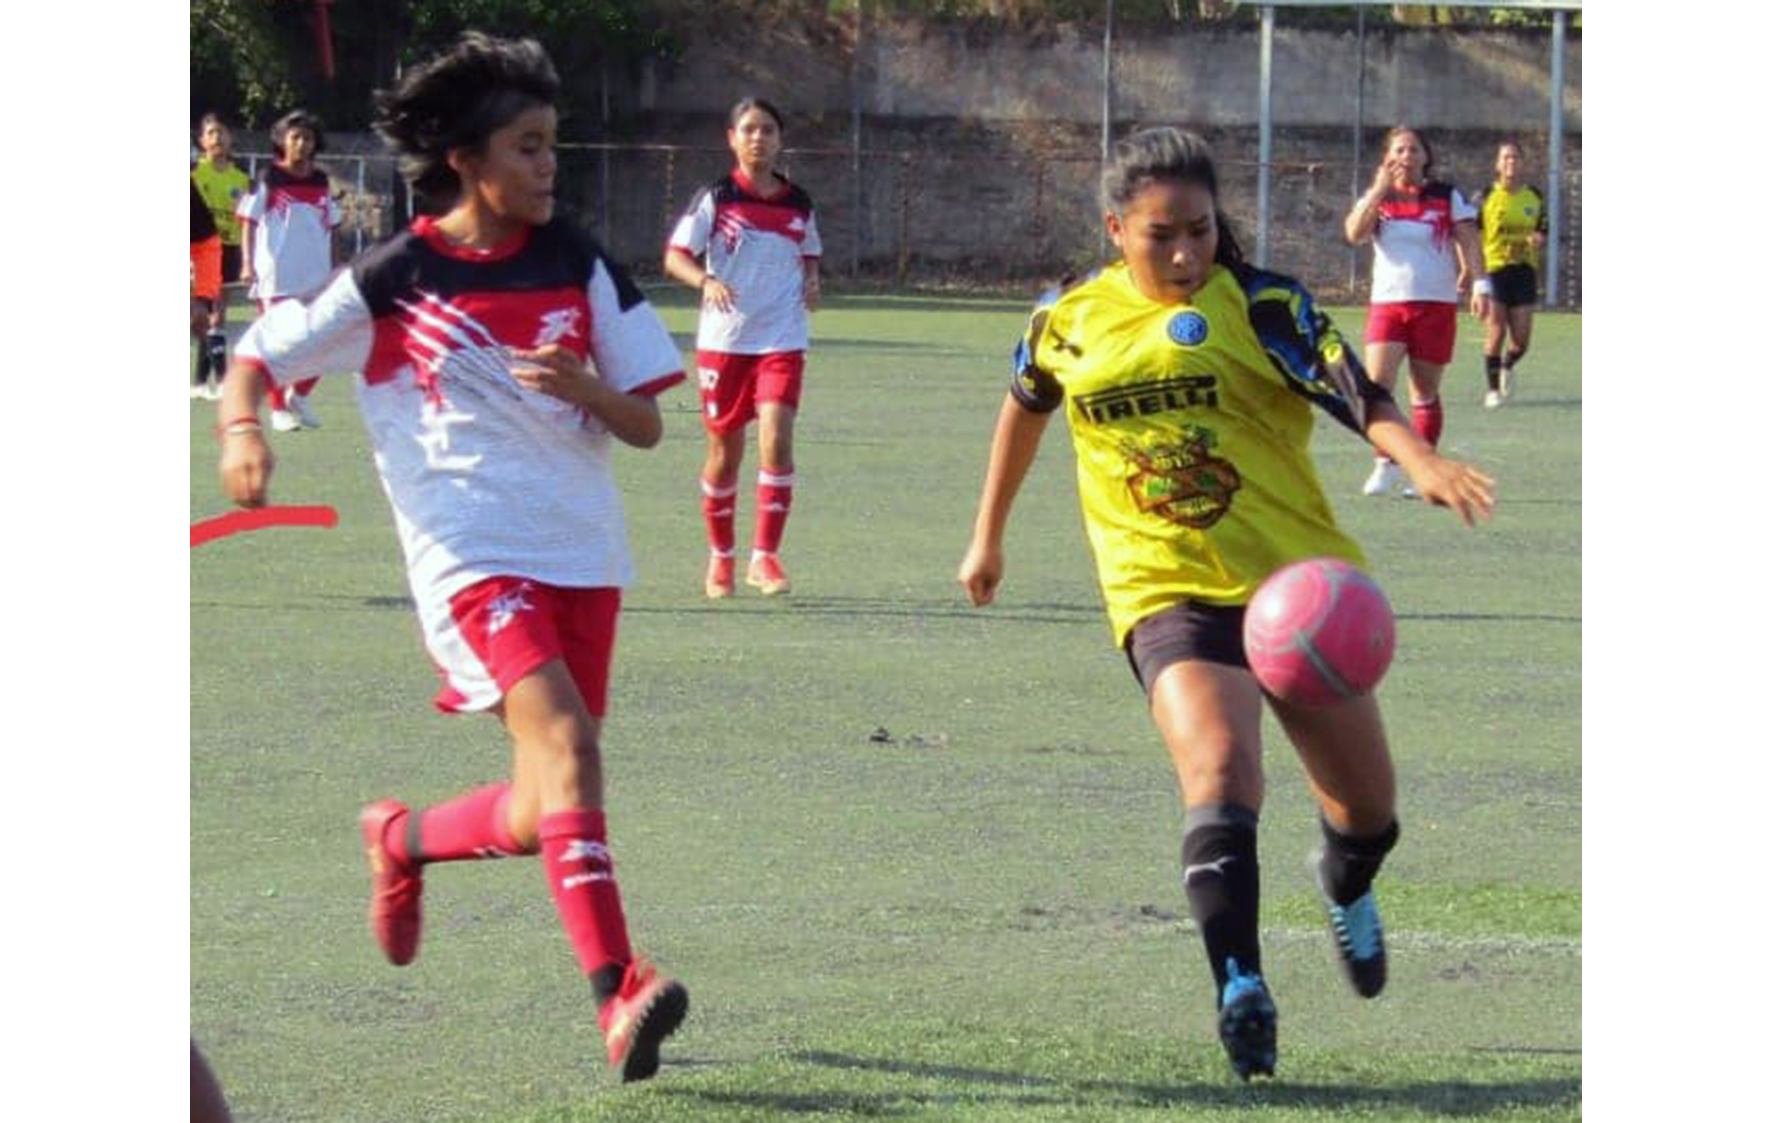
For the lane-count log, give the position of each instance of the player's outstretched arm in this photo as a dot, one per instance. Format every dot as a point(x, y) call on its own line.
point(1439, 480)
point(246, 460)
point(1013, 446)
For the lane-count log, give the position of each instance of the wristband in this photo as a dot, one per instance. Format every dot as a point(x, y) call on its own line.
point(240, 427)
point(1482, 287)
point(705, 278)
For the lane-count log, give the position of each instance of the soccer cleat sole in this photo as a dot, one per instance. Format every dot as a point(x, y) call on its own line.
point(657, 1022)
point(1249, 1029)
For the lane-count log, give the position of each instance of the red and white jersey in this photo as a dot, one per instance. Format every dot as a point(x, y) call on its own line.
point(293, 218)
point(1414, 255)
point(485, 477)
point(756, 244)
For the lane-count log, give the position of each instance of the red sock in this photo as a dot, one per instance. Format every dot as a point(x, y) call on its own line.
point(1428, 419)
point(472, 825)
point(306, 386)
point(717, 506)
point(775, 495)
point(582, 876)
point(279, 397)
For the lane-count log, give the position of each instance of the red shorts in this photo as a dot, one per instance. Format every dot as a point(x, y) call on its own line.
point(1427, 327)
point(499, 630)
point(206, 269)
point(732, 386)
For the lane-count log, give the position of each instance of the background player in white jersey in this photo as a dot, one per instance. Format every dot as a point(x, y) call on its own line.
point(500, 351)
point(1426, 252)
point(286, 225)
point(749, 244)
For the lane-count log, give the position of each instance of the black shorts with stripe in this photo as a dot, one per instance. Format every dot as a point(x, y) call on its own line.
point(1212, 633)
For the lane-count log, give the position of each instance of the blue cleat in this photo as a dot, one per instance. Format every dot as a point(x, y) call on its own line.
point(1248, 1024)
point(1359, 936)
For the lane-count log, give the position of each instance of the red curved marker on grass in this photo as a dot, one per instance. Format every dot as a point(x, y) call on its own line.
point(257, 519)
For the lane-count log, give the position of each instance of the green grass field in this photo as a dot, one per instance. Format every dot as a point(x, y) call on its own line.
point(975, 915)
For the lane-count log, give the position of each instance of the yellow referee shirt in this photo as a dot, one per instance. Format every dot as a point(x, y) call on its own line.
point(1192, 425)
point(1509, 219)
point(222, 192)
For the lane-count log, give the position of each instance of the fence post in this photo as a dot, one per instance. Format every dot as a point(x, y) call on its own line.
point(904, 215)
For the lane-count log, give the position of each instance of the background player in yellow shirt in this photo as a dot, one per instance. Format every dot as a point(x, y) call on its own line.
point(1187, 378)
point(222, 184)
point(1514, 223)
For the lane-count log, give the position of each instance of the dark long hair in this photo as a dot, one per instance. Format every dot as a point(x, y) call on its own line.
point(746, 104)
point(1173, 155)
point(296, 119)
point(457, 100)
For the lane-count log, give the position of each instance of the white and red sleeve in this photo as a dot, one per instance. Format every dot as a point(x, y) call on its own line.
point(811, 245)
point(633, 351)
point(1463, 210)
point(295, 341)
point(252, 204)
point(693, 229)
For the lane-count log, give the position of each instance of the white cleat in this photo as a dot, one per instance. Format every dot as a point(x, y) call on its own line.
point(298, 404)
point(1385, 476)
point(1493, 399)
point(284, 422)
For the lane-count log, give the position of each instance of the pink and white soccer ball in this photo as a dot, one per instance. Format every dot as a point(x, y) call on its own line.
point(1318, 632)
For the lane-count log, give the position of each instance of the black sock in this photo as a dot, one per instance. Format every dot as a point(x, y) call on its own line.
point(204, 359)
point(1223, 882)
point(216, 347)
point(1492, 371)
point(606, 981)
point(1513, 357)
point(1350, 862)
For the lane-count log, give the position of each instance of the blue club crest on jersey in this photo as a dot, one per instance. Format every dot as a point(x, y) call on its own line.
point(1187, 329)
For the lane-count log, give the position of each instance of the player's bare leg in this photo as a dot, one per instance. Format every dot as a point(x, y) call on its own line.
point(1519, 329)
point(775, 495)
point(1348, 761)
point(1210, 718)
point(1495, 324)
point(1384, 362)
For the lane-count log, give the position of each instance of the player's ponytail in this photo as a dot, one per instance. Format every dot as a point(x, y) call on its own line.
point(1170, 154)
point(458, 100)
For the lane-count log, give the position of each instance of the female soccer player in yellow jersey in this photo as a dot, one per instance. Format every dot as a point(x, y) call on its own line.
point(1187, 378)
point(1514, 221)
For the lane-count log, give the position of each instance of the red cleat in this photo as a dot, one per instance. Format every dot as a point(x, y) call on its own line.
point(647, 1009)
point(765, 574)
point(395, 888)
point(719, 579)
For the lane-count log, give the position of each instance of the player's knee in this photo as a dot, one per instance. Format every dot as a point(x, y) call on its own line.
point(1220, 769)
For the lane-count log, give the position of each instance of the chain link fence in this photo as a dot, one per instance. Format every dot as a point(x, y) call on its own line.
point(962, 215)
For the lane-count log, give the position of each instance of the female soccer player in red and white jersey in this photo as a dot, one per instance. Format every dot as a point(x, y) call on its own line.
point(1426, 251)
point(500, 352)
point(286, 225)
point(750, 246)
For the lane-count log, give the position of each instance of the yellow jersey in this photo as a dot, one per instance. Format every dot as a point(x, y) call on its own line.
point(1509, 220)
point(222, 192)
point(1191, 424)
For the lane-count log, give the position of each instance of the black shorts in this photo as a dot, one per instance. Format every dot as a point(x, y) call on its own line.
point(1514, 285)
point(230, 264)
point(1186, 630)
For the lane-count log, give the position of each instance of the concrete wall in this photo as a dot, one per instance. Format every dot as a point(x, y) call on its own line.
point(1442, 79)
